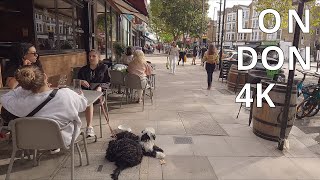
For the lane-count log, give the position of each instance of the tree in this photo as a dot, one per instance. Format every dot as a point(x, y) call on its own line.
point(178, 17)
point(283, 8)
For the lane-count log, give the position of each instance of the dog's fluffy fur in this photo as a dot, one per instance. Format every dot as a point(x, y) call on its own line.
point(147, 142)
point(125, 151)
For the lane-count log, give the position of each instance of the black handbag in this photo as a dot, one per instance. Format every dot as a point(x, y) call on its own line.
point(7, 116)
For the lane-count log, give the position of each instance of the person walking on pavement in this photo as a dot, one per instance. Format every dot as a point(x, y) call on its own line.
point(194, 53)
point(182, 53)
point(173, 56)
point(211, 59)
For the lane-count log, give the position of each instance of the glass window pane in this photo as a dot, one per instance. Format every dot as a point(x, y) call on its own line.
point(65, 22)
point(101, 30)
point(45, 26)
point(78, 30)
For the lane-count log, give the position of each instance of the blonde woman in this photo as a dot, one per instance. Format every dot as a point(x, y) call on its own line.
point(140, 67)
point(33, 90)
point(173, 57)
point(211, 59)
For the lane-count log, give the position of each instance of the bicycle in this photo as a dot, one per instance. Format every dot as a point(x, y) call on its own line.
point(310, 106)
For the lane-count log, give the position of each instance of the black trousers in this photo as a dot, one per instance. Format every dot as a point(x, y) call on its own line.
point(181, 57)
point(210, 68)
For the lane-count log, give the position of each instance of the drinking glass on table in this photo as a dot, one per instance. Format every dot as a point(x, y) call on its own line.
point(62, 81)
point(77, 86)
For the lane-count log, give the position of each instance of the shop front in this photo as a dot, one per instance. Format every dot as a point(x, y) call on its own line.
point(64, 31)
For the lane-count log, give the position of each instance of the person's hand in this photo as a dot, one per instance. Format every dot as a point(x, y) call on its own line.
point(99, 89)
point(85, 84)
point(27, 62)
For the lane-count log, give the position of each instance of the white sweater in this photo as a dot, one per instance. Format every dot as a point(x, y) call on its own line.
point(63, 108)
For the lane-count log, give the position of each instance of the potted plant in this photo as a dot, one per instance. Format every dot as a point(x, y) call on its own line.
point(119, 49)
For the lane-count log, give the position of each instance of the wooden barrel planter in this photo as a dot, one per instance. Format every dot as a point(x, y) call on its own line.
point(236, 78)
point(267, 120)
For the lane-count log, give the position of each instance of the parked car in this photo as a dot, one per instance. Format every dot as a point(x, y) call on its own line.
point(259, 65)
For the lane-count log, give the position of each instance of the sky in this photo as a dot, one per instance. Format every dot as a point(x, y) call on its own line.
point(229, 3)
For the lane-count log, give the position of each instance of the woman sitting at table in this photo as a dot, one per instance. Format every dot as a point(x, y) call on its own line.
point(140, 67)
point(127, 57)
point(23, 54)
point(93, 75)
point(33, 90)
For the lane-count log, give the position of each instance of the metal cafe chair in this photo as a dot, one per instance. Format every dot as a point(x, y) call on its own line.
point(34, 133)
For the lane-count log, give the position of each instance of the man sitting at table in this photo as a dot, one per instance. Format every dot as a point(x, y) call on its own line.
point(92, 75)
point(34, 90)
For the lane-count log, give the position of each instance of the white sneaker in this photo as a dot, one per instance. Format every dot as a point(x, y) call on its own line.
point(55, 151)
point(90, 132)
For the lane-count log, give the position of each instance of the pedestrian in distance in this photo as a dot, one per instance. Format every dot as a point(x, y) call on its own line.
point(173, 57)
point(211, 59)
point(182, 53)
point(194, 53)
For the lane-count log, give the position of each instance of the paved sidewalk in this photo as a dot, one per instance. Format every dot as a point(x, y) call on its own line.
point(199, 133)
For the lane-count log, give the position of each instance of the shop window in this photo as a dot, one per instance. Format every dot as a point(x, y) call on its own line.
point(100, 37)
point(62, 18)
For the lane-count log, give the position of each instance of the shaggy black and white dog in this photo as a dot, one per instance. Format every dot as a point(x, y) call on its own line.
point(128, 149)
point(125, 151)
point(148, 146)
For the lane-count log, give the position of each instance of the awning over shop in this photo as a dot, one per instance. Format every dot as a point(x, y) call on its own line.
point(139, 5)
point(125, 8)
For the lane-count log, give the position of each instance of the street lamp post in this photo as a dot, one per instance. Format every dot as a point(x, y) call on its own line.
point(219, 22)
point(285, 111)
point(222, 34)
point(213, 24)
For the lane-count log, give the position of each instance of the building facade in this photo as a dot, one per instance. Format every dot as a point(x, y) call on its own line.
point(64, 31)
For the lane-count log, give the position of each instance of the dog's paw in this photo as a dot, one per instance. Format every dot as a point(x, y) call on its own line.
point(160, 155)
point(113, 176)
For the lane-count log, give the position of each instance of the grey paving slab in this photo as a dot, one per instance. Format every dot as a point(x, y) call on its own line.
point(167, 144)
point(298, 149)
point(23, 169)
point(196, 116)
point(238, 130)
point(224, 118)
point(256, 168)
point(162, 115)
point(201, 124)
point(188, 167)
point(312, 145)
point(155, 169)
point(170, 127)
point(309, 165)
point(211, 146)
point(91, 171)
point(248, 146)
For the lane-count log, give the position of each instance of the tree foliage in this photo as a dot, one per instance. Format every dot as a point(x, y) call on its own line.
point(172, 18)
point(283, 8)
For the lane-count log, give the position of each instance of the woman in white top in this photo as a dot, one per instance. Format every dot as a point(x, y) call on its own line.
point(33, 90)
point(127, 58)
point(173, 57)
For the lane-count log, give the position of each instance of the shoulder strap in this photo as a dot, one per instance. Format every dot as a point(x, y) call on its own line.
point(51, 95)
